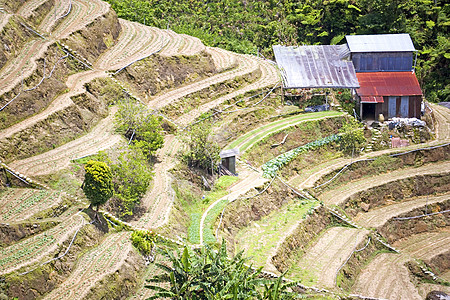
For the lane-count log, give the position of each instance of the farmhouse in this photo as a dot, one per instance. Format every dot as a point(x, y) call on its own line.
point(385, 71)
point(378, 69)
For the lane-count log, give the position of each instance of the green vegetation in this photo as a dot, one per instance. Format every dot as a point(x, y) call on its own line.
point(246, 26)
point(203, 152)
point(97, 184)
point(143, 129)
point(352, 137)
point(131, 177)
point(207, 274)
point(144, 241)
point(196, 207)
point(211, 217)
point(259, 240)
point(271, 167)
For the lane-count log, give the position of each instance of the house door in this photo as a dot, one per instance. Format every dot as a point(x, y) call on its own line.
point(392, 107)
point(404, 107)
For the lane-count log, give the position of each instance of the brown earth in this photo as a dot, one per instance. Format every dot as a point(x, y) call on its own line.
point(395, 191)
point(394, 230)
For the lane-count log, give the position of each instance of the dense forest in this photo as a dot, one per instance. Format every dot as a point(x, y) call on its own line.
point(249, 26)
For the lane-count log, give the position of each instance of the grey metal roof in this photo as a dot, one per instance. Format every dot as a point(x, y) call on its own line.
point(380, 43)
point(229, 153)
point(315, 67)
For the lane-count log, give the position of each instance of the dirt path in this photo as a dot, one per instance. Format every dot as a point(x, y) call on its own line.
point(83, 13)
point(323, 259)
point(101, 137)
point(377, 217)
point(442, 115)
point(101, 261)
point(223, 59)
point(35, 248)
point(339, 195)
point(22, 65)
point(269, 78)
point(159, 199)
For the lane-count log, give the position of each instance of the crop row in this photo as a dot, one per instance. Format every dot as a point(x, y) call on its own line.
point(93, 266)
point(33, 249)
point(271, 167)
point(25, 203)
point(268, 78)
point(101, 137)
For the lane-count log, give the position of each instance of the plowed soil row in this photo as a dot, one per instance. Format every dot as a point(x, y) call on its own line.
point(387, 276)
point(93, 266)
point(323, 259)
point(101, 137)
point(339, 195)
point(269, 77)
point(17, 204)
point(244, 67)
point(28, 7)
point(35, 248)
point(135, 41)
point(377, 217)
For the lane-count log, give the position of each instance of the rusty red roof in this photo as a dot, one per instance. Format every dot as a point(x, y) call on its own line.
point(388, 84)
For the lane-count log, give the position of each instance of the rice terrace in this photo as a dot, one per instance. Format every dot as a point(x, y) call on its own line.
point(224, 149)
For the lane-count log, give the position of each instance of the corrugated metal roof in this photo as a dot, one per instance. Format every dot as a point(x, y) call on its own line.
point(380, 43)
point(229, 153)
point(315, 67)
point(388, 84)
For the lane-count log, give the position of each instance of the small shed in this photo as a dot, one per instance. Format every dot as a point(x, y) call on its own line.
point(229, 159)
point(393, 94)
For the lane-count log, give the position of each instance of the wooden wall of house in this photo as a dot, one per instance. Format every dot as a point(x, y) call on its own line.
point(413, 107)
point(382, 61)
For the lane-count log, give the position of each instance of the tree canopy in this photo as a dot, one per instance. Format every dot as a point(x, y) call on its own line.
point(97, 184)
point(140, 126)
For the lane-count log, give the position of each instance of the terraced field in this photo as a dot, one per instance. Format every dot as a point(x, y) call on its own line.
point(18, 204)
point(385, 276)
point(32, 250)
point(339, 195)
point(93, 266)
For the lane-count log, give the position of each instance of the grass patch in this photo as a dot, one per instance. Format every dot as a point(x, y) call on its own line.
point(271, 128)
point(196, 208)
point(259, 240)
point(211, 217)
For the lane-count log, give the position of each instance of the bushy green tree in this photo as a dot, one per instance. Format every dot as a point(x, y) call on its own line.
point(352, 137)
point(97, 184)
point(202, 151)
point(132, 176)
point(137, 123)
